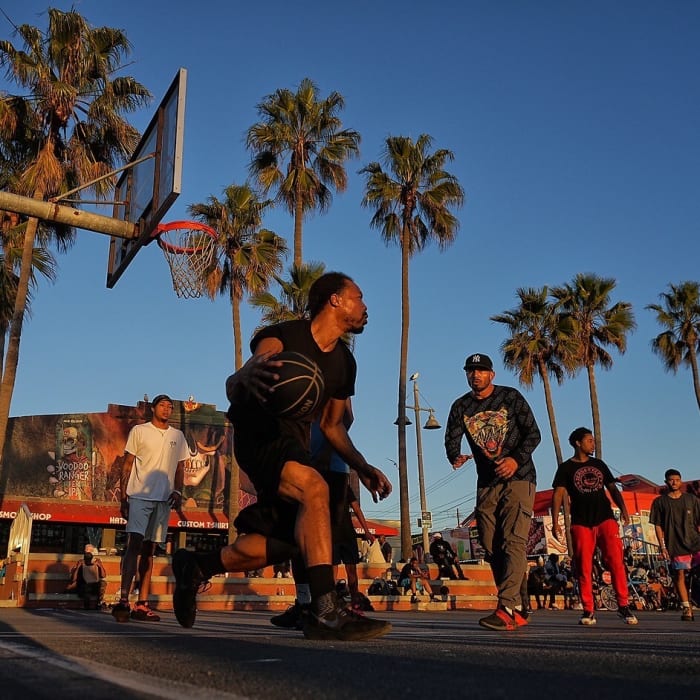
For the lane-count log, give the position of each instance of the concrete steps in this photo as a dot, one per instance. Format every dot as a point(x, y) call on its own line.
point(48, 575)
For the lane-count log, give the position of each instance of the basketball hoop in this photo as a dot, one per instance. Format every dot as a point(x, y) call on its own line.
point(190, 250)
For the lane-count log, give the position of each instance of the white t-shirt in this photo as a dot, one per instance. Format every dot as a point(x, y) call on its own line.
point(156, 454)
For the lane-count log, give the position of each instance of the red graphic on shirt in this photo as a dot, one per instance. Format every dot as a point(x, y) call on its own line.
point(488, 430)
point(588, 479)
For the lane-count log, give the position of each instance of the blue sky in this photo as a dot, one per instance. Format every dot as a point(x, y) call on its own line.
point(575, 133)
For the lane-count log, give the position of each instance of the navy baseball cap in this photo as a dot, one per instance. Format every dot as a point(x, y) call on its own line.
point(159, 398)
point(478, 360)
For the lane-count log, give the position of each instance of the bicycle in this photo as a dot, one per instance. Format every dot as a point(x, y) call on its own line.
point(606, 599)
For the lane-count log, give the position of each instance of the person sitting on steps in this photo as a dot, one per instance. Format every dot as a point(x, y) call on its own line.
point(413, 577)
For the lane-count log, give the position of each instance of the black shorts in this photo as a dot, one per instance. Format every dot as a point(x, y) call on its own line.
point(273, 518)
point(345, 553)
point(263, 460)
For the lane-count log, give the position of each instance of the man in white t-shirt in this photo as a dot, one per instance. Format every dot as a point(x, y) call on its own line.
point(151, 484)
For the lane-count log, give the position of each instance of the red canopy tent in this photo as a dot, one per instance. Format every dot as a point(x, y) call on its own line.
point(374, 528)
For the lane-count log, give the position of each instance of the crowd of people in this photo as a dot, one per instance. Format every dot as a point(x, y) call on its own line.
point(302, 512)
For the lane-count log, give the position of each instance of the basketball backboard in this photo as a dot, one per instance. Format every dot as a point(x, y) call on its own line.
point(147, 189)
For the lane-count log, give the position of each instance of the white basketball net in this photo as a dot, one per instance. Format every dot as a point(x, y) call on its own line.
point(191, 256)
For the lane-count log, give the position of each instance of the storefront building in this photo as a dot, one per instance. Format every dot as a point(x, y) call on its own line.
point(66, 469)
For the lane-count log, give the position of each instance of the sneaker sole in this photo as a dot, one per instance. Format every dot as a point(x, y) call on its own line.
point(497, 628)
point(319, 632)
point(185, 618)
point(145, 618)
point(285, 625)
point(184, 607)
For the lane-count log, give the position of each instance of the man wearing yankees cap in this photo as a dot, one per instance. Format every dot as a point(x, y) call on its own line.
point(502, 435)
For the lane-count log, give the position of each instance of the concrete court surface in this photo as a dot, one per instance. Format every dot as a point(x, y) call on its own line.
point(73, 654)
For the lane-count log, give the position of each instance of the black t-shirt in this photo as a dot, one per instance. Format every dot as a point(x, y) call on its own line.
point(679, 519)
point(440, 551)
point(339, 370)
point(586, 484)
point(406, 572)
point(387, 551)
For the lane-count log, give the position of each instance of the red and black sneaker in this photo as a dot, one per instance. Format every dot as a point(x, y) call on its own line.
point(521, 617)
point(500, 621)
point(143, 613)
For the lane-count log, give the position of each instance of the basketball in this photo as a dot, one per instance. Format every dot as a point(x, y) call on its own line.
point(299, 389)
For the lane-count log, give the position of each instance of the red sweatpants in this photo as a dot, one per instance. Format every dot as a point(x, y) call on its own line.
point(606, 536)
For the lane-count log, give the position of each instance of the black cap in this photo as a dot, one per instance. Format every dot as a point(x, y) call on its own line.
point(159, 398)
point(478, 360)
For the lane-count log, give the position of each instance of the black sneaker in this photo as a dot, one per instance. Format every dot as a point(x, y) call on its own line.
point(121, 611)
point(293, 617)
point(343, 624)
point(627, 615)
point(188, 579)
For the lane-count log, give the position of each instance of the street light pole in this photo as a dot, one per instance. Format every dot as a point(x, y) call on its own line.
point(431, 424)
point(421, 479)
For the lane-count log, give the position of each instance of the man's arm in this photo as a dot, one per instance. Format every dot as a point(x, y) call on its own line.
point(558, 496)
point(175, 499)
point(618, 501)
point(661, 539)
point(530, 436)
point(333, 427)
point(508, 464)
point(127, 465)
point(453, 438)
point(355, 505)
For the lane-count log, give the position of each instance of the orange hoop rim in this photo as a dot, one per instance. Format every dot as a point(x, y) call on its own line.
point(184, 224)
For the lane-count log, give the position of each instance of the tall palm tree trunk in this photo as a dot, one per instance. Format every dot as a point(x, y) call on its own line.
point(9, 373)
point(550, 410)
point(557, 447)
point(406, 542)
point(234, 485)
point(595, 411)
point(693, 359)
point(298, 221)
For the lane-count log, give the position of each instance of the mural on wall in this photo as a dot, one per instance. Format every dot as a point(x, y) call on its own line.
point(78, 457)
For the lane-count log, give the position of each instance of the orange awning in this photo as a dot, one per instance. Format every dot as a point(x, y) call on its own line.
point(374, 528)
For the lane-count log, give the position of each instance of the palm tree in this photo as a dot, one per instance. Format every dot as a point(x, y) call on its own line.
point(299, 148)
point(534, 347)
point(679, 315)
point(594, 325)
point(412, 203)
point(43, 262)
point(250, 256)
point(538, 339)
point(70, 122)
point(294, 297)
